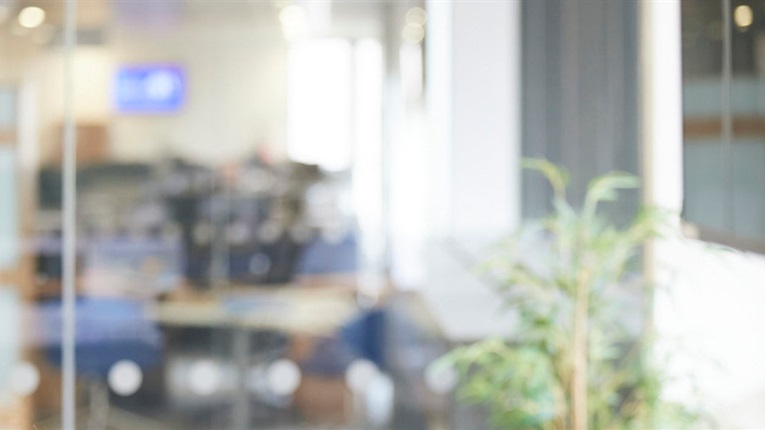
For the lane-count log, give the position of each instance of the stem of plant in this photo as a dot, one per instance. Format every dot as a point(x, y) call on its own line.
point(580, 350)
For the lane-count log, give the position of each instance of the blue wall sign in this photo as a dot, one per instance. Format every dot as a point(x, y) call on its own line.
point(150, 89)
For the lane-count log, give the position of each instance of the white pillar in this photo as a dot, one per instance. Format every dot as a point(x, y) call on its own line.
point(662, 104)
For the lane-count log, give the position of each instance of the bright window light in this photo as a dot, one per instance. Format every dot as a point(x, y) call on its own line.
point(319, 114)
point(368, 156)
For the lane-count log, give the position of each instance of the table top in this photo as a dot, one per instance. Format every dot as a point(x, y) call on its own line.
point(314, 310)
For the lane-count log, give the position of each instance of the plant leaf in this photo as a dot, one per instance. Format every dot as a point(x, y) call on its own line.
point(557, 176)
point(605, 188)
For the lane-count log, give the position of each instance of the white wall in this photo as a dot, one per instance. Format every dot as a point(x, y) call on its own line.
point(235, 97)
point(485, 122)
point(235, 58)
point(713, 313)
point(474, 100)
point(473, 105)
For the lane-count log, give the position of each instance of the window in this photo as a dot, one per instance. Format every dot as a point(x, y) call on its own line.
point(319, 115)
point(723, 51)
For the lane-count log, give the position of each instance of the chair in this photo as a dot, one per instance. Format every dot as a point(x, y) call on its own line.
point(108, 330)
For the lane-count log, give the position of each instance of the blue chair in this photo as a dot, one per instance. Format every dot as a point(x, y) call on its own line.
point(108, 330)
point(321, 257)
point(365, 336)
point(361, 337)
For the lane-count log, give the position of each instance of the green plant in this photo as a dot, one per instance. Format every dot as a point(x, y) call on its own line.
point(573, 360)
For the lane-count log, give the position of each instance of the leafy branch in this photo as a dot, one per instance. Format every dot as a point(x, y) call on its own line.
point(572, 361)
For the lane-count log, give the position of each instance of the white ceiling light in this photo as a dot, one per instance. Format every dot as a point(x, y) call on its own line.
point(416, 15)
point(294, 20)
point(743, 16)
point(31, 17)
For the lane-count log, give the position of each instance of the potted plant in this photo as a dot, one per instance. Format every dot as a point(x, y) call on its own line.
point(580, 355)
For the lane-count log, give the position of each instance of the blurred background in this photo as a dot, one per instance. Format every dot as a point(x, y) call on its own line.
point(279, 204)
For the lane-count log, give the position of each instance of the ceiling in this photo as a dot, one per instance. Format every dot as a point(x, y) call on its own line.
point(99, 13)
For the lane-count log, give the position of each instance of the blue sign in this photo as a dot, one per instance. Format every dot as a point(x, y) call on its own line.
point(150, 89)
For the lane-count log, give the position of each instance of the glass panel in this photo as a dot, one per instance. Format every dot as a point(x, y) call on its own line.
point(9, 209)
point(230, 215)
point(704, 166)
point(10, 305)
point(232, 251)
point(218, 251)
point(747, 107)
point(30, 385)
point(723, 109)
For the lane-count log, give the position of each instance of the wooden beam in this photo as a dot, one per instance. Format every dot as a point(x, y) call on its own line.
point(712, 127)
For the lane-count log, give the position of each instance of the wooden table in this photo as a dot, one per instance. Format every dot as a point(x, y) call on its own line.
point(294, 309)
